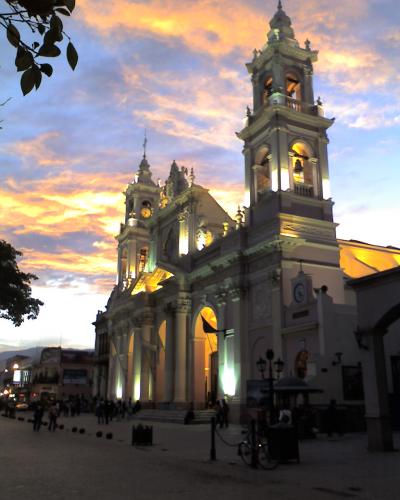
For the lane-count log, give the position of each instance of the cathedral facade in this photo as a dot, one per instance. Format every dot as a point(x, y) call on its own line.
point(201, 297)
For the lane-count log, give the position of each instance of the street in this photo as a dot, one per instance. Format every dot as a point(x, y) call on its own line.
point(65, 465)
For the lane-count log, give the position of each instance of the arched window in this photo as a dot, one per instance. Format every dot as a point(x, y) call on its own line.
point(262, 170)
point(143, 254)
point(301, 169)
point(293, 86)
point(267, 90)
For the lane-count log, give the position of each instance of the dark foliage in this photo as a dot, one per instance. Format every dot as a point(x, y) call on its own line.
point(42, 19)
point(16, 301)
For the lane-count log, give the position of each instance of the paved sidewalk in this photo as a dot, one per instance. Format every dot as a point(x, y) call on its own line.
point(67, 465)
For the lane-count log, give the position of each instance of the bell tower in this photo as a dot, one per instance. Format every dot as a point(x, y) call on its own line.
point(141, 202)
point(285, 140)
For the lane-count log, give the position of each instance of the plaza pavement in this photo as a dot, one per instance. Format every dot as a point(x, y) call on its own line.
point(67, 465)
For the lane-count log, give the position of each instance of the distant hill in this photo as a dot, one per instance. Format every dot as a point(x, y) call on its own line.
point(33, 352)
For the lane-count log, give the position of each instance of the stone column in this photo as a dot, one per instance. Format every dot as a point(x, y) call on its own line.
point(222, 354)
point(275, 281)
point(377, 415)
point(181, 333)
point(169, 355)
point(237, 348)
point(146, 383)
point(137, 361)
point(124, 363)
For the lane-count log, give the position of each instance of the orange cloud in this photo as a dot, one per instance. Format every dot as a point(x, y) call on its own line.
point(39, 150)
point(219, 27)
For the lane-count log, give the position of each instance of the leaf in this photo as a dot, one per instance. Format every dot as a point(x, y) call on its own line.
point(56, 24)
point(63, 11)
point(13, 35)
point(35, 45)
point(27, 81)
point(72, 56)
point(49, 51)
point(41, 29)
point(70, 4)
point(38, 76)
point(24, 60)
point(47, 69)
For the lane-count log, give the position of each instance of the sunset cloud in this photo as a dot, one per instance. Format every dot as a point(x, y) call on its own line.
point(69, 150)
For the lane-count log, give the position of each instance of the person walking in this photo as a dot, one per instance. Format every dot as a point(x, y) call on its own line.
point(37, 417)
point(331, 418)
point(53, 417)
point(100, 411)
point(224, 414)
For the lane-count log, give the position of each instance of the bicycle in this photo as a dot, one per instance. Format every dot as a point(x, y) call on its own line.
point(254, 450)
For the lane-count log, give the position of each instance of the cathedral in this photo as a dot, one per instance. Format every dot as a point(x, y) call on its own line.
point(201, 297)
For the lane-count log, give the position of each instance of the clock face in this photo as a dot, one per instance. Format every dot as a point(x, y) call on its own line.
point(299, 293)
point(145, 212)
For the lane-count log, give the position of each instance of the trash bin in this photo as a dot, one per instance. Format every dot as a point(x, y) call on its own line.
point(283, 444)
point(142, 436)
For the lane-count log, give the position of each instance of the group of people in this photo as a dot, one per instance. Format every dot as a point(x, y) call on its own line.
point(106, 410)
point(38, 413)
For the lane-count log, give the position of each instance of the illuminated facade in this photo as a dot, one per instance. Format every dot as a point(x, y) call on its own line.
point(274, 277)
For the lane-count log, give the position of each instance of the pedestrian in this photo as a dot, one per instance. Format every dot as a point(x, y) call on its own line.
point(53, 417)
point(331, 418)
point(130, 408)
point(100, 411)
point(224, 414)
point(37, 417)
point(107, 409)
point(137, 407)
point(285, 415)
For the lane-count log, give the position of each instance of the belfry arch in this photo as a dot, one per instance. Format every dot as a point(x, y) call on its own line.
point(205, 359)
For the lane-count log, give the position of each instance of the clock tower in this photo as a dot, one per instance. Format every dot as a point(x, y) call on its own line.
point(141, 202)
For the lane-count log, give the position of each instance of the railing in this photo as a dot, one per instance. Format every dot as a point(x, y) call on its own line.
point(304, 190)
point(284, 100)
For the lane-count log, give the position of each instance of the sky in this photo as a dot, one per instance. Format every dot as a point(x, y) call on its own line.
point(69, 149)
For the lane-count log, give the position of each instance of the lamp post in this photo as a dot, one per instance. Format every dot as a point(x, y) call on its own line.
point(261, 365)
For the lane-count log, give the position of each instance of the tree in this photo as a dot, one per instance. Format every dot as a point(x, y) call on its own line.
point(42, 19)
point(15, 291)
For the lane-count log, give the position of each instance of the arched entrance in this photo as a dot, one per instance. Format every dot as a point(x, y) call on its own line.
point(205, 366)
point(160, 363)
point(378, 308)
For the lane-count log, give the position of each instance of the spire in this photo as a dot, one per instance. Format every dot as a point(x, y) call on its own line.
point(281, 26)
point(143, 175)
point(144, 143)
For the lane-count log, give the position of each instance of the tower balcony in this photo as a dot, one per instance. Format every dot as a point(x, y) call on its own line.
point(304, 190)
point(279, 99)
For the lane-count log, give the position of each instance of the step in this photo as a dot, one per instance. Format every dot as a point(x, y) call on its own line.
point(174, 416)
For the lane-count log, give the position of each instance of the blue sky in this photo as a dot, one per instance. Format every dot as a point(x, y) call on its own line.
point(68, 150)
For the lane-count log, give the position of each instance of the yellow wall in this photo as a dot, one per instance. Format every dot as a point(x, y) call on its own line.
point(359, 259)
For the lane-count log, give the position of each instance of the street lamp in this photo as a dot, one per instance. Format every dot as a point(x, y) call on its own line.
point(261, 365)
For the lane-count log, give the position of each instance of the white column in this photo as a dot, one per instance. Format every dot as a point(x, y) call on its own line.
point(169, 356)
point(137, 363)
point(147, 355)
point(181, 333)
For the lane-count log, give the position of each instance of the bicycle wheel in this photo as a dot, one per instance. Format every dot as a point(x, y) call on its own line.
point(264, 458)
point(245, 452)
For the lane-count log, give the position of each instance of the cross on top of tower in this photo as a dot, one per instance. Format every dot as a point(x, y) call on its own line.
point(279, 5)
point(145, 143)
